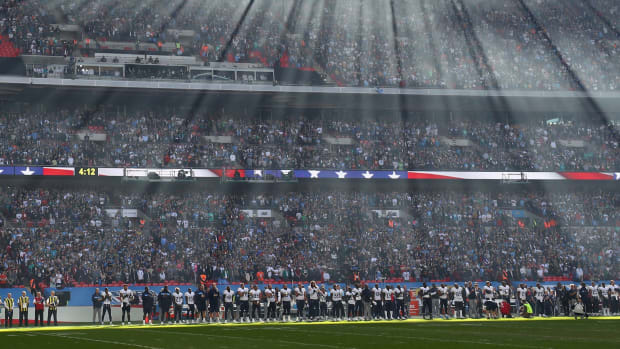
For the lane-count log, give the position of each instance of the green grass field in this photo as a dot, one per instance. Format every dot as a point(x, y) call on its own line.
point(518, 333)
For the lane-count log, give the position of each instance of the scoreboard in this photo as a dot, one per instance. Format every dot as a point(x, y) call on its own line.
point(86, 171)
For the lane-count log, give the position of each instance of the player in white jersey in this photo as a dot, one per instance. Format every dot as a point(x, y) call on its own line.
point(427, 305)
point(604, 296)
point(614, 297)
point(521, 295)
point(488, 291)
point(350, 299)
point(397, 293)
point(443, 301)
point(359, 304)
point(126, 296)
point(504, 291)
point(255, 297)
point(244, 304)
point(323, 303)
point(458, 299)
point(539, 295)
point(191, 307)
point(107, 305)
point(278, 298)
point(595, 301)
point(313, 301)
point(490, 307)
point(285, 296)
point(388, 304)
point(270, 296)
point(300, 299)
point(177, 299)
point(228, 296)
point(377, 303)
point(337, 295)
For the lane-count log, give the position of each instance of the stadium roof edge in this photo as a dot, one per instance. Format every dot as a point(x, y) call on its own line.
point(467, 103)
point(234, 87)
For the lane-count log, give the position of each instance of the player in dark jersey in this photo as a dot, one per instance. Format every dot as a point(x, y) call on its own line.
point(165, 301)
point(214, 303)
point(147, 306)
point(200, 299)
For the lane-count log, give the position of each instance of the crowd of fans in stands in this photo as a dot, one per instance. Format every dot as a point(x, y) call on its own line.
point(468, 44)
point(175, 138)
point(51, 231)
point(29, 26)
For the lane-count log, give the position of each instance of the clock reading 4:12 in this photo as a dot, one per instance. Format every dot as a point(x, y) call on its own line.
point(87, 171)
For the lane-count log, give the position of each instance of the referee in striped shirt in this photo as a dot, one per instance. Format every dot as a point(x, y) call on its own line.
point(23, 303)
point(9, 303)
point(52, 308)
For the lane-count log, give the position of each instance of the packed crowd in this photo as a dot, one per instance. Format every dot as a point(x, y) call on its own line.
point(29, 26)
point(173, 138)
point(65, 234)
point(468, 44)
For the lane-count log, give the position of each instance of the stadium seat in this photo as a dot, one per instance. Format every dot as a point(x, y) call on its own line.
point(6, 48)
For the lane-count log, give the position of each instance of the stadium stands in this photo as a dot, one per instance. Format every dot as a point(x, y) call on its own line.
point(468, 44)
point(6, 48)
point(80, 234)
point(155, 138)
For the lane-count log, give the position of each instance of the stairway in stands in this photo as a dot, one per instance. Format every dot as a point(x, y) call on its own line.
point(6, 48)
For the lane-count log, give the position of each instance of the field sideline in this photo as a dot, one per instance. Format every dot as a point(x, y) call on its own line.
point(468, 333)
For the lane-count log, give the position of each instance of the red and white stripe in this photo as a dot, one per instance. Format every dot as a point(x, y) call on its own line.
point(536, 176)
point(58, 171)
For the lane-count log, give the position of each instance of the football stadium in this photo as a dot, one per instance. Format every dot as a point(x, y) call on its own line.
point(309, 173)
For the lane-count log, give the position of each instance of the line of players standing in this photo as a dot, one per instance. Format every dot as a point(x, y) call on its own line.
point(313, 303)
point(530, 301)
point(317, 303)
point(468, 299)
point(593, 299)
point(168, 302)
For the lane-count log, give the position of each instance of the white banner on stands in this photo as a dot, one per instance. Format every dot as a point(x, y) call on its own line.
point(258, 213)
point(204, 173)
point(125, 212)
point(387, 213)
point(111, 172)
point(169, 172)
